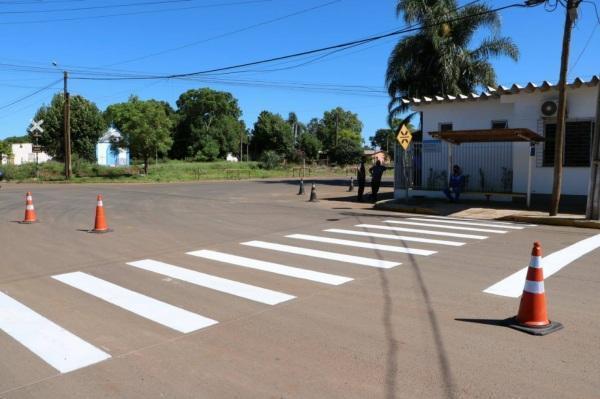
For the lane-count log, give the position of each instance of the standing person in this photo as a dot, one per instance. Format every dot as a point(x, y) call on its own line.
point(361, 177)
point(455, 185)
point(376, 172)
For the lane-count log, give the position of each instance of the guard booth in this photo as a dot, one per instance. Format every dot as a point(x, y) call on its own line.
point(470, 149)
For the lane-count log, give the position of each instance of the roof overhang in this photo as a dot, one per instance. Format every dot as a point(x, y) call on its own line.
point(488, 135)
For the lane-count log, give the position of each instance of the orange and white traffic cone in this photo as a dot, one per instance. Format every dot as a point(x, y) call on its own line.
point(30, 215)
point(533, 315)
point(100, 225)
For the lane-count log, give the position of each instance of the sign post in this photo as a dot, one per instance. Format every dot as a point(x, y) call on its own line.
point(36, 131)
point(404, 138)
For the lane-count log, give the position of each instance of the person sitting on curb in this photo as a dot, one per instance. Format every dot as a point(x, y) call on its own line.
point(455, 185)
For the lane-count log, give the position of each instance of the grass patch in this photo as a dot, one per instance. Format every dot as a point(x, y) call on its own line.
point(167, 171)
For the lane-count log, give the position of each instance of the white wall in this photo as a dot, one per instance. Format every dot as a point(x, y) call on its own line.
point(23, 153)
point(521, 111)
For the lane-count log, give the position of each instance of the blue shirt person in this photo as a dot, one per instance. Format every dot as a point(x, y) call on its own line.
point(455, 185)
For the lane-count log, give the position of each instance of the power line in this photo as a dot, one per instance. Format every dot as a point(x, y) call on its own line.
point(42, 21)
point(595, 9)
point(18, 100)
point(222, 35)
point(304, 53)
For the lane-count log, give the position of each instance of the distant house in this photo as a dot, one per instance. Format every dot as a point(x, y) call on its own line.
point(23, 153)
point(106, 154)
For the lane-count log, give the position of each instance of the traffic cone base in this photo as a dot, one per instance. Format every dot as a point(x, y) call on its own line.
point(534, 330)
point(351, 186)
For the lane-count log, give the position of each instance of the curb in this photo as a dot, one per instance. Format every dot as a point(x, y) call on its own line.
point(390, 205)
point(581, 223)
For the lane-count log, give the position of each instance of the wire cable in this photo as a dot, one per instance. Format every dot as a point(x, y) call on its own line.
point(18, 100)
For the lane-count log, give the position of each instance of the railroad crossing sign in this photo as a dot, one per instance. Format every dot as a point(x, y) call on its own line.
point(36, 128)
point(404, 137)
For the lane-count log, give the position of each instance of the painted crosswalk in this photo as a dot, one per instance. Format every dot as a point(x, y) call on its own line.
point(357, 260)
point(396, 237)
point(359, 244)
point(442, 226)
point(66, 352)
point(142, 305)
point(453, 222)
point(422, 231)
point(56, 346)
point(227, 286)
point(271, 267)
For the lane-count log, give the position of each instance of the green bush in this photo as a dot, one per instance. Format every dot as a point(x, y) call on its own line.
point(270, 160)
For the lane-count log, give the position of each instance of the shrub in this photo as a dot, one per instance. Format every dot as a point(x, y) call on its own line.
point(270, 160)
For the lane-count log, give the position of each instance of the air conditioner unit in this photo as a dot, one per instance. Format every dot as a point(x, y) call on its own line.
point(549, 108)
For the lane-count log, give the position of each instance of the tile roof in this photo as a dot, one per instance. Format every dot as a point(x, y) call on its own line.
point(496, 92)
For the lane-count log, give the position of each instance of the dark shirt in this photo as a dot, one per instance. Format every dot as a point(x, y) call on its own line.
point(361, 174)
point(456, 181)
point(377, 172)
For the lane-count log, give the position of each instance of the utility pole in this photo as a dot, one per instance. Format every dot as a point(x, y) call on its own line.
point(593, 201)
point(67, 128)
point(241, 147)
point(337, 122)
point(559, 144)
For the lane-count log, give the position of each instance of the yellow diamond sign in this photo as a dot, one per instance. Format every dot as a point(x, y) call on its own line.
point(404, 137)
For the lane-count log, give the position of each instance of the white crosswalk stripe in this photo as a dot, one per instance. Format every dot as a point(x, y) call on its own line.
point(422, 231)
point(220, 284)
point(256, 264)
point(441, 226)
point(358, 260)
point(469, 223)
point(58, 347)
point(358, 244)
point(498, 222)
point(395, 237)
point(142, 305)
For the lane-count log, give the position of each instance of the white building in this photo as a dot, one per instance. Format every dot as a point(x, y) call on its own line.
point(23, 153)
point(106, 155)
point(503, 166)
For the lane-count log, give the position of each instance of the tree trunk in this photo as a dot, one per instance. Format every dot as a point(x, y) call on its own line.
point(561, 113)
point(146, 165)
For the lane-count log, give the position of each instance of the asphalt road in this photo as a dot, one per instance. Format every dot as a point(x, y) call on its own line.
point(147, 329)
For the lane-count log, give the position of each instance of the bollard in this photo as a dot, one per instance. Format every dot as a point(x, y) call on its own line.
point(351, 186)
point(313, 193)
point(301, 189)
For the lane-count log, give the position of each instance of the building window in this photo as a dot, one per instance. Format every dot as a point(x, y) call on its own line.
point(578, 136)
point(499, 124)
point(445, 127)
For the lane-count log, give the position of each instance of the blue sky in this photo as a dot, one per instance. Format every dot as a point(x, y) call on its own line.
point(110, 42)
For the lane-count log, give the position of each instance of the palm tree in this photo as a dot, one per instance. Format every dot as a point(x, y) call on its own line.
point(439, 59)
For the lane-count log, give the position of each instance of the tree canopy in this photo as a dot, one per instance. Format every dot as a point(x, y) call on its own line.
point(440, 59)
point(346, 152)
point(335, 124)
point(310, 145)
point(208, 125)
point(145, 127)
point(87, 125)
point(272, 133)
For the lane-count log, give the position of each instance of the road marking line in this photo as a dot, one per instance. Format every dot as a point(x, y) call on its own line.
point(395, 237)
point(419, 231)
point(512, 286)
point(359, 260)
point(441, 226)
point(469, 223)
point(220, 284)
point(58, 347)
point(142, 305)
point(358, 244)
point(481, 220)
point(276, 268)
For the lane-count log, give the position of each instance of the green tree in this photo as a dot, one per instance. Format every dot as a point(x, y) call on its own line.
point(87, 125)
point(310, 146)
point(346, 152)
point(17, 139)
point(207, 119)
point(5, 148)
point(272, 132)
point(145, 127)
point(440, 59)
point(335, 124)
point(384, 139)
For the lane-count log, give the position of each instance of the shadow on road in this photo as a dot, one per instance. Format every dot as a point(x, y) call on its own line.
point(391, 373)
